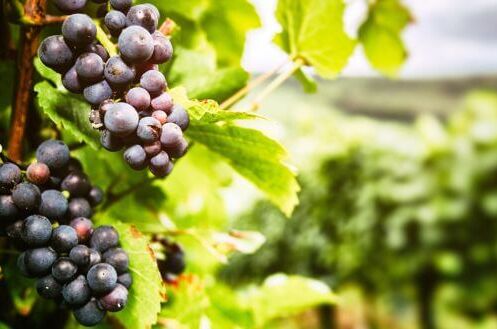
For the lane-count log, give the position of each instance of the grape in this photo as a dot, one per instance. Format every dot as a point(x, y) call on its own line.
point(77, 184)
point(179, 116)
point(104, 238)
point(80, 255)
point(161, 116)
point(97, 93)
point(178, 150)
point(125, 279)
point(121, 119)
point(56, 54)
point(89, 315)
point(10, 175)
point(77, 292)
point(95, 258)
point(144, 16)
point(171, 135)
point(71, 81)
point(8, 210)
point(14, 232)
point(135, 44)
point(90, 67)
point(38, 173)
point(118, 73)
point(53, 153)
point(83, 227)
point(118, 258)
point(121, 5)
point(152, 148)
point(72, 6)
point(115, 21)
point(36, 230)
point(97, 49)
point(115, 300)
point(175, 260)
point(141, 68)
point(110, 142)
point(53, 204)
point(102, 278)
point(96, 196)
point(64, 238)
point(64, 270)
point(163, 103)
point(48, 287)
point(79, 30)
point(136, 157)
point(159, 164)
point(26, 196)
point(149, 129)
point(154, 82)
point(139, 98)
point(163, 49)
point(39, 261)
point(79, 207)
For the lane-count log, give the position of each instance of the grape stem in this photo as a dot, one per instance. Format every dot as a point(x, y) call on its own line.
point(275, 84)
point(250, 86)
point(105, 41)
point(34, 10)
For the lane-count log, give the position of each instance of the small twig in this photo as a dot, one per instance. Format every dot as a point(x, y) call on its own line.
point(168, 27)
point(275, 84)
point(250, 86)
point(105, 41)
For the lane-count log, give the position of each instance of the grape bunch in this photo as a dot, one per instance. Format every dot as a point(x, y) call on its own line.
point(174, 263)
point(127, 92)
point(45, 213)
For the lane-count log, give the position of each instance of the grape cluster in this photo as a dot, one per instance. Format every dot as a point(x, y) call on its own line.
point(174, 263)
point(45, 213)
point(127, 92)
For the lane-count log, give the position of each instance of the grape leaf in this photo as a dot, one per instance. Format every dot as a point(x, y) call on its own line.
point(380, 35)
point(309, 84)
point(313, 30)
point(255, 156)
point(68, 112)
point(147, 292)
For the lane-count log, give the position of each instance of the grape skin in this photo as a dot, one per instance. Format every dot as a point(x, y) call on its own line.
point(89, 314)
point(154, 82)
point(139, 98)
point(97, 93)
point(79, 30)
point(136, 157)
point(144, 16)
point(71, 81)
point(70, 6)
point(90, 67)
point(179, 116)
point(121, 5)
point(121, 119)
point(163, 102)
point(110, 142)
point(163, 49)
point(56, 54)
point(149, 129)
point(115, 21)
point(136, 44)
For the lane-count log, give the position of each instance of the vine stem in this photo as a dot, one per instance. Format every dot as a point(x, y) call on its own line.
point(275, 84)
point(34, 10)
point(251, 85)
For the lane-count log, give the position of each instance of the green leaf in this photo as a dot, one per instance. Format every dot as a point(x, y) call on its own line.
point(4, 326)
point(147, 292)
point(68, 112)
point(21, 289)
point(380, 35)
point(314, 31)
point(255, 156)
point(282, 295)
point(48, 73)
point(309, 84)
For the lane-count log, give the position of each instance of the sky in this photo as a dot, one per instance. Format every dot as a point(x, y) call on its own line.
point(449, 38)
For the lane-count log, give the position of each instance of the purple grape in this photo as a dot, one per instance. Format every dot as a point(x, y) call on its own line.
point(83, 227)
point(152, 149)
point(89, 314)
point(179, 116)
point(149, 130)
point(79, 207)
point(143, 15)
point(115, 21)
point(97, 93)
point(159, 164)
point(121, 5)
point(171, 135)
point(53, 153)
point(8, 210)
point(79, 30)
point(139, 98)
point(99, 50)
point(111, 142)
point(10, 176)
point(163, 102)
point(136, 157)
point(121, 119)
point(141, 68)
point(53, 204)
point(72, 82)
point(26, 196)
point(90, 67)
point(178, 150)
point(71, 6)
point(163, 49)
point(115, 300)
point(118, 73)
point(154, 82)
point(136, 44)
point(56, 54)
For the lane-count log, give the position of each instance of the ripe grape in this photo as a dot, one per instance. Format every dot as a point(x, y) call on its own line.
point(79, 207)
point(53, 204)
point(139, 98)
point(71, 81)
point(104, 238)
point(98, 49)
point(118, 258)
point(179, 116)
point(77, 292)
point(89, 314)
point(97, 93)
point(13, 232)
point(141, 68)
point(83, 227)
point(163, 49)
point(8, 210)
point(47, 287)
point(175, 260)
point(79, 30)
point(153, 148)
point(125, 279)
point(149, 129)
point(102, 278)
point(154, 82)
point(53, 153)
point(38, 173)
point(121, 5)
point(80, 255)
point(171, 135)
point(136, 157)
point(96, 196)
point(39, 261)
point(56, 54)
point(110, 142)
point(70, 6)
point(64, 270)
point(121, 119)
point(115, 21)
point(64, 238)
point(118, 73)
point(26, 196)
point(10, 175)
point(136, 44)
point(36, 231)
point(159, 164)
point(143, 15)
point(115, 300)
point(90, 67)
point(163, 103)
point(178, 150)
